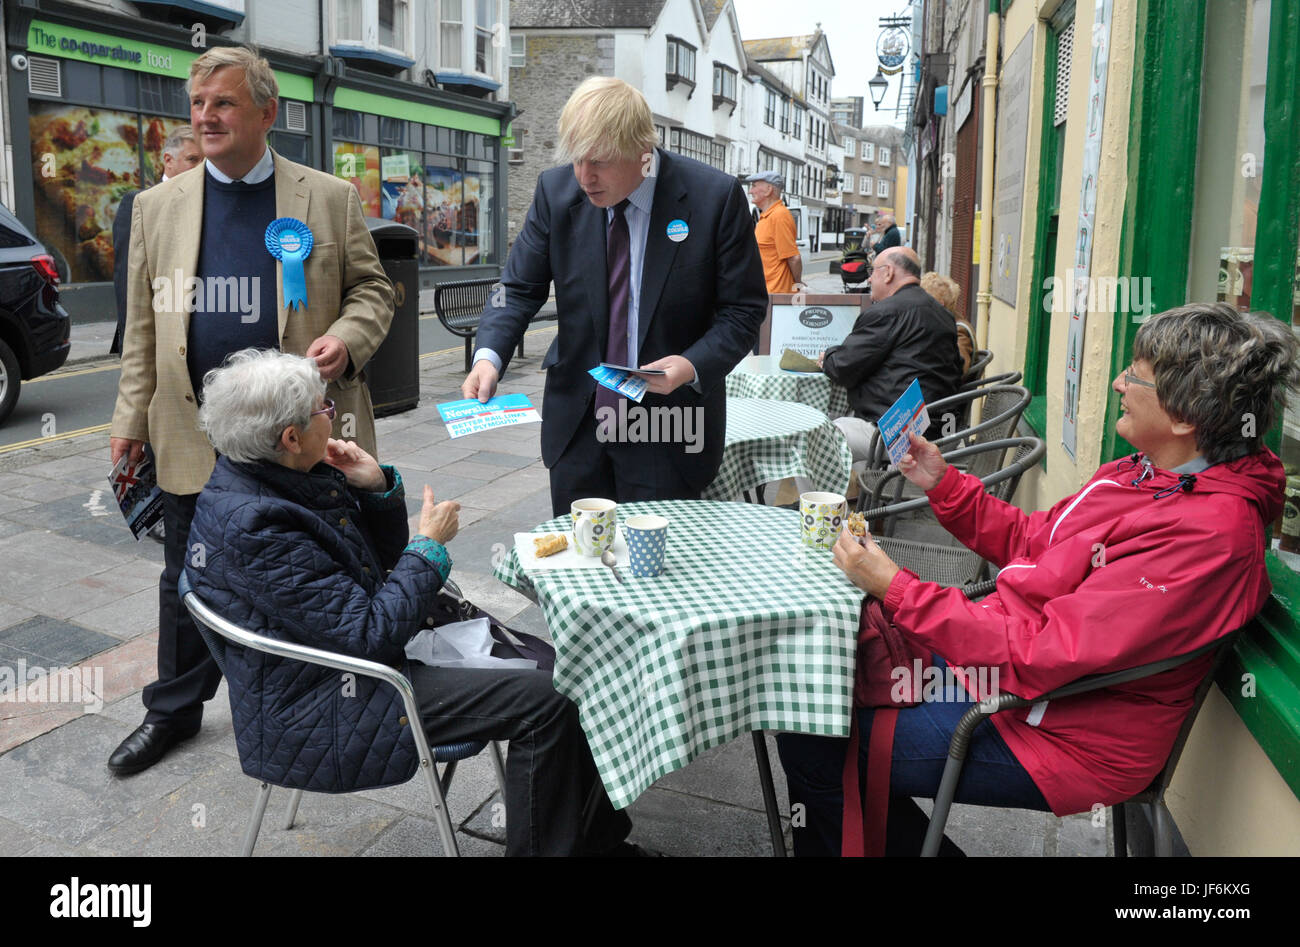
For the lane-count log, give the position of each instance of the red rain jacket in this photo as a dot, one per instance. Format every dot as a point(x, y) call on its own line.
point(1107, 579)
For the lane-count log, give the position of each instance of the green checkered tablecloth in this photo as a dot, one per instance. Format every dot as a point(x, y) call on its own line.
point(761, 376)
point(745, 630)
point(772, 440)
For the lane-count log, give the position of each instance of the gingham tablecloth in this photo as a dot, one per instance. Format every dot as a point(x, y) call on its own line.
point(745, 630)
point(761, 376)
point(772, 440)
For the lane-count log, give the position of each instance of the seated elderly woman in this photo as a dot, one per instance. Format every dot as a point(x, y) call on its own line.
point(305, 538)
point(947, 294)
point(1159, 554)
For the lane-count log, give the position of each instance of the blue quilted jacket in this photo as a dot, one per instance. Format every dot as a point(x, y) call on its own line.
point(305, 558)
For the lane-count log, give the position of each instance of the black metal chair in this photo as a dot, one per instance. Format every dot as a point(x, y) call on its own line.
point(217, 632)
point(979, 360)
point(1153, 795)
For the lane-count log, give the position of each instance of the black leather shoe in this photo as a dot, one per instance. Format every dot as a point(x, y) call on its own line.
point(147, 745)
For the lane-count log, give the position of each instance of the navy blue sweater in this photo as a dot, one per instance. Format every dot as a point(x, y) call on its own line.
point(235, 307)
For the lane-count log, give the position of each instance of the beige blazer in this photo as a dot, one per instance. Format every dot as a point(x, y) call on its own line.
point(348, 296)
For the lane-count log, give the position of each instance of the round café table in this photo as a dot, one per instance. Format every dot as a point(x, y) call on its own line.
point(760, 376)
point(768, 441)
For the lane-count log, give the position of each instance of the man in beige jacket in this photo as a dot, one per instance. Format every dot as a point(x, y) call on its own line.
point(201, 284)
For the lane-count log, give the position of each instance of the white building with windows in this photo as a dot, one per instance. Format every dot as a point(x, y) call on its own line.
point(684, 55)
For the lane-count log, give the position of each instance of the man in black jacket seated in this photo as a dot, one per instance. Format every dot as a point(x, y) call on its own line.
point(905, 334)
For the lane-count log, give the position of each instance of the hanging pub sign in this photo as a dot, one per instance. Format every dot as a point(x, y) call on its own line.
point(892, 46)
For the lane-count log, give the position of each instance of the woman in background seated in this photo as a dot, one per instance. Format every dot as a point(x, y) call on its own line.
point(946, 292)
point(299, 533)
point(1158, 555)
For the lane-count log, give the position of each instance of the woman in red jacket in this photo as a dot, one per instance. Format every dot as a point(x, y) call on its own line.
point(1159, 554)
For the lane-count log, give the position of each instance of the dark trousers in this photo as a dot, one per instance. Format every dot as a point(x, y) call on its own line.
point(814, 765)
point(187, 674)
point(549, 770)
point(616, 471)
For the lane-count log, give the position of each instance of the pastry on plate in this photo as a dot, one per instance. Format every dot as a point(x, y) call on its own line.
point(549, 544)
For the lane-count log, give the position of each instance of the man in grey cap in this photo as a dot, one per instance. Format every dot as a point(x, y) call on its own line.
point(782, 265)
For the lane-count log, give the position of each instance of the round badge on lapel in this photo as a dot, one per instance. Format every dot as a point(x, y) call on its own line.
point(677, 230)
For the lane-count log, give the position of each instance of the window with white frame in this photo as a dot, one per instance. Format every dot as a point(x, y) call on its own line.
point(882, 188)
point(884, 155)
point(769, 109)
point(848, 182)
point(798, 122)
point(785, 116)
point(383, 25)
point(868, 151)
point(450, 25)
point(724, 83)
point(865, 189)
point(485, 22)
point(518, 51)
point(849, 146)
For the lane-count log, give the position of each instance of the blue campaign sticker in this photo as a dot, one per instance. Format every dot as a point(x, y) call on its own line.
point(677, 230)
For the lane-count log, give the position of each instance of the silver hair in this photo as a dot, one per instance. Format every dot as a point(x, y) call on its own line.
point(177, 139)
point(1224, 372)
point(253, 397)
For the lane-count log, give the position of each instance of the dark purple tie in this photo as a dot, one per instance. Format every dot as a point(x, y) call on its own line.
point(618, 263)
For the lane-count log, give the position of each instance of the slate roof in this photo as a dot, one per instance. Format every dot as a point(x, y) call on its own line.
point(580, 14)
point(712, 10)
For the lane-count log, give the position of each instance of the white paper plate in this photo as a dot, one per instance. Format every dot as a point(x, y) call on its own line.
point(569, 559)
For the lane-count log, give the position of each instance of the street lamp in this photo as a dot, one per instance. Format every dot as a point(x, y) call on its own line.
point(878, 85)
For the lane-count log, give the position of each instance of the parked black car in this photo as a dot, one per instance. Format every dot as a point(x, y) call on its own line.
point(34, 327)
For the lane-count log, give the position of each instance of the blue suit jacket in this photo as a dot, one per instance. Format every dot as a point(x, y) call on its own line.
point(703, 298)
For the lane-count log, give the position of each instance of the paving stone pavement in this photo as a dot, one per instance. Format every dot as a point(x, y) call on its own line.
point(76, 591)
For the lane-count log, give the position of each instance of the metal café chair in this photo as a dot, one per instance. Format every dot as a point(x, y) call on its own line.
point(219, 633)
point(1153, 795)
point(1003, 406)
point(948, 562)
point(979, 360)
point(1005, 378)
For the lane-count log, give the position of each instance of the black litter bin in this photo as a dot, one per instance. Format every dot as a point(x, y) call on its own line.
point(393, 372)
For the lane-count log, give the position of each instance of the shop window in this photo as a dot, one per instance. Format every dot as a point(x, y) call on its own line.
point(347, 124)
point(163, 95)
point(359, 165)
point(93, 157)
point(294, 147)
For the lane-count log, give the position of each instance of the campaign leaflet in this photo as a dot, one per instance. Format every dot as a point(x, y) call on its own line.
point(630, 386)
point(906, 414)
point(470, 416)
point(135, 487)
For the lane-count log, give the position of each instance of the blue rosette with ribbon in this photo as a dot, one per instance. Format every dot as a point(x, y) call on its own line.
point(289, 240)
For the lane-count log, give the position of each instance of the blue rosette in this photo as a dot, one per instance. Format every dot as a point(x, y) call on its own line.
point(289, 240)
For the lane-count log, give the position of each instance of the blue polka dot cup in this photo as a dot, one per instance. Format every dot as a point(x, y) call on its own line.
point(647, 540)
point(594, 523)
point(822, 517)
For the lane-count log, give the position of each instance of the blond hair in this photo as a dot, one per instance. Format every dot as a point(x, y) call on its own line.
point(259, 77)
point(605, 119)
point(943, 288)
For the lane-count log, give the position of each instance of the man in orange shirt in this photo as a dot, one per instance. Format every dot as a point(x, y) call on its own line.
point(782, 265)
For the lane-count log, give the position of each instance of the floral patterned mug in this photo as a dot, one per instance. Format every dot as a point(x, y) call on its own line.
point(594, 523)
point(822, 517)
